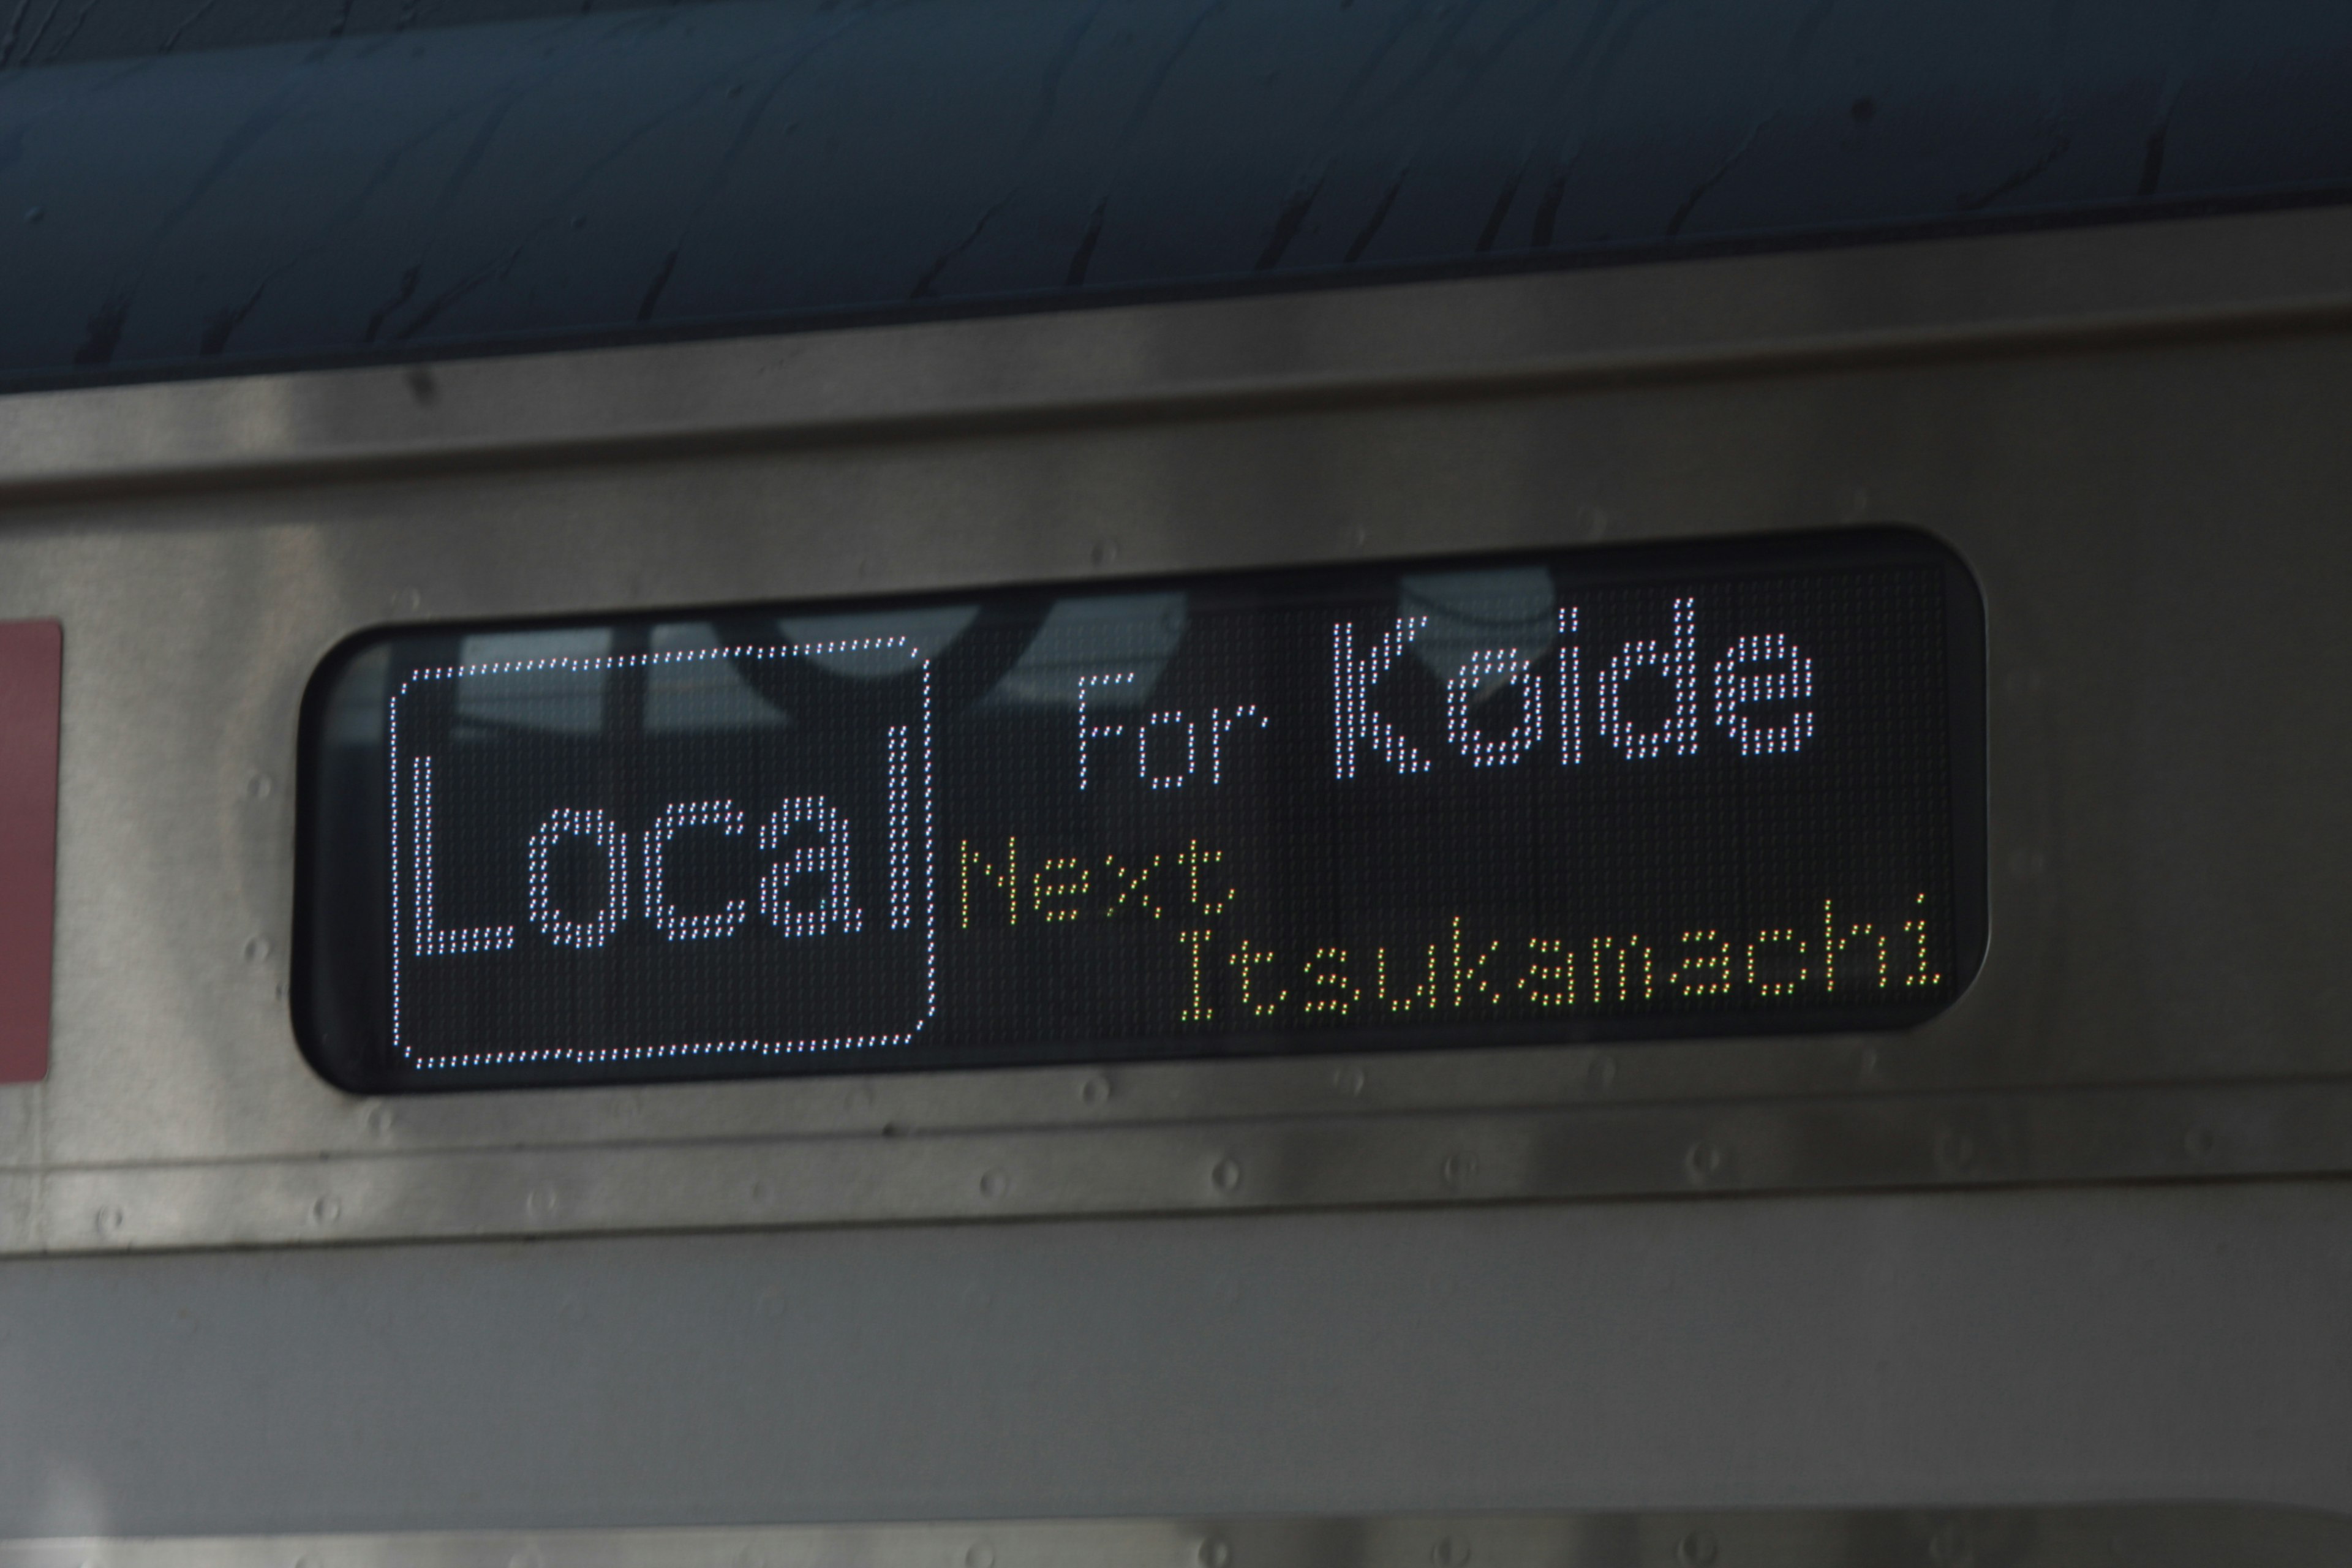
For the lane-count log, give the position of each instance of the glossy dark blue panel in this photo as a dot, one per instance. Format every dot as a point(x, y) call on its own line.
point(217, 186)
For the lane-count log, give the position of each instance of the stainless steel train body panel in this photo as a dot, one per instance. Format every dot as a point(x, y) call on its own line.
point(2135, 437)
point(2098, 421)
point(1968, 1350)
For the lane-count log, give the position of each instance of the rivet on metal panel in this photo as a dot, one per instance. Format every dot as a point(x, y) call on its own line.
point(421, 385)
point(1459, 1169)
point(1348, 1081)
point(979, 1554)
point(260, 786)
point(1855, 504)
point(1356, 536)
point(326, 1210)
point(406, 601)
point(1226, 1173)
point(2198, 1143)
point(1105, 551)
point(758, 1191)
point(1095, 1090)
point(257, 950)
point(1599, 1073)
point(1703, 1161)
point(1595, 522)
point(541, 1203)
point(1214, 1554)
point(110, 1220)
point(1866, 1065)
point(381, 1120)
point(1955, 1150)
point(1452, 1552)
point(1696, 1550)
point(993, 1184)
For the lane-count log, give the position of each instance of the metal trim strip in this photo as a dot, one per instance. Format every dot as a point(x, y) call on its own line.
point(2071, 287)
point(2193, 1535)
point(1945, 1142)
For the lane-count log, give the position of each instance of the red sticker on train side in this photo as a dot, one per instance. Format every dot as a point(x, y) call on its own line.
point(30, 661)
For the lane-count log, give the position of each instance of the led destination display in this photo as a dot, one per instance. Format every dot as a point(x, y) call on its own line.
point(1707, 790)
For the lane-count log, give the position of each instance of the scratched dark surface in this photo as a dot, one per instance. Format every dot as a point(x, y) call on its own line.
point(219, 185)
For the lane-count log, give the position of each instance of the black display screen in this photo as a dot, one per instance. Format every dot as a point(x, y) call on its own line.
point(1727, 789)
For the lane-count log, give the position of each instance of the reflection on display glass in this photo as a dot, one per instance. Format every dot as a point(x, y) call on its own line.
point(1711, 790)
